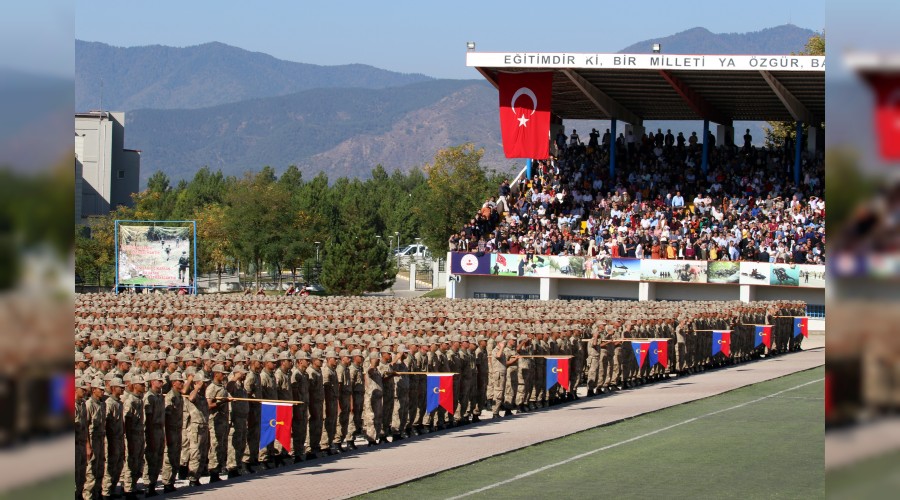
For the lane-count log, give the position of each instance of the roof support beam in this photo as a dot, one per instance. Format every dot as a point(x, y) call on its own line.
point(606, 104)
point(796, 108)
point(696, 102)
point(487, 76)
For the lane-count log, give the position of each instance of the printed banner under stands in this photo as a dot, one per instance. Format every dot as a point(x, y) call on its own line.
point(755, 273)
point(785, 275)
point(723, 271)
point(673, 271)
point(626, 269)
point(471, 263)
point(812, 276)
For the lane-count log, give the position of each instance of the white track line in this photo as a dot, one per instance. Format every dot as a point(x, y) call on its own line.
point(620, 443)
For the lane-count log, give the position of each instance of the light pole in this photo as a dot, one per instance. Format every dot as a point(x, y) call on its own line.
point(318, 266)
point(397, 234)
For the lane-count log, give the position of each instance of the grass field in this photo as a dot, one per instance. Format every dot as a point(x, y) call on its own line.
point(58, 487)
point(874, 478)
point(754, 442)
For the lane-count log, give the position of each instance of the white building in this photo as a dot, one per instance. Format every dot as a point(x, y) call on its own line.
point(109, 173)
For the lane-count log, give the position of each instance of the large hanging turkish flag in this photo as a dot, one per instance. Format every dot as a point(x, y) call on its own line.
point(525, 114)
point(887, 115)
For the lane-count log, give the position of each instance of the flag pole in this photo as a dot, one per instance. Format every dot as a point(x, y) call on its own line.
point(287, 401)
point(425, 373)
point(558, 356)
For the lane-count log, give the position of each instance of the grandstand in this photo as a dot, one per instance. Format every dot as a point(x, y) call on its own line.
point(750, 220)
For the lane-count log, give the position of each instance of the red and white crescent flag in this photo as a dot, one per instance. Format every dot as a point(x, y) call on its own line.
point(887, 115)
point(525, 114)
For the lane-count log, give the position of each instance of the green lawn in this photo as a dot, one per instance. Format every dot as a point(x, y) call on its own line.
point(437, 293)
point(874, 478)
point(58, 487)
point(772, 448)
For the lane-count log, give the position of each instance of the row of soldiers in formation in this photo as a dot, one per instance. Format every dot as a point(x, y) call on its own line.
point(158, 397)
point(863, 368)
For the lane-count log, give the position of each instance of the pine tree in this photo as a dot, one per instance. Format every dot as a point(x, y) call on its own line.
point(356, 262)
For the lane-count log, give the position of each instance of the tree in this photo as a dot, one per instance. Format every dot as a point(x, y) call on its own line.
point(257, 209)
point(213, 239)
point(355, 262)
point(777, 132)
point(95, 246)
point(457, 187)
point(205, 188)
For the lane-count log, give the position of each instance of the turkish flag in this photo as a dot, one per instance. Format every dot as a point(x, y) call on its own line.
point(887, 114)
point(525, 114)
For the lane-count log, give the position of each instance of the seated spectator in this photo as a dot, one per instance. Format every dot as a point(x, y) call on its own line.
point(745, 207)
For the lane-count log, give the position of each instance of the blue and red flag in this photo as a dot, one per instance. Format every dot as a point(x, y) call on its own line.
point(62, 394)
point(558, 372)
point(721, 342)
point(440, 392)
point(763, 336)
point(801, 327)
point(659, 353)
point(640, 351)
point(275, 423)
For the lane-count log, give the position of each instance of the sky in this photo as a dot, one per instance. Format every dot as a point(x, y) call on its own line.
point(37, 37)
point(420, 36)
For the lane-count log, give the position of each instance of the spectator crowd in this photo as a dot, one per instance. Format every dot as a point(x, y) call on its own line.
point(659, 204)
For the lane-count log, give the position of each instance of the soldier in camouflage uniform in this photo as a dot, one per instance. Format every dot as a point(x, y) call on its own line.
point(174, 420)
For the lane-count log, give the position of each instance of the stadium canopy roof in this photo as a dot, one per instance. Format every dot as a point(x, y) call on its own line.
point(637, 87)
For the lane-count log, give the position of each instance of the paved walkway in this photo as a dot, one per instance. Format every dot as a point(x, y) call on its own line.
point(37, 461)
point(846, 447)
point(388, 465)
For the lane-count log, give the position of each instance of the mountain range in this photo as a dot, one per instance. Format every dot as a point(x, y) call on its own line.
point(237, 110)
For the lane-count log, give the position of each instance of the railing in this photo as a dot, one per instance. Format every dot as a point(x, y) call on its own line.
point(815, 311)
point(593, 298)
point(506, 296)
